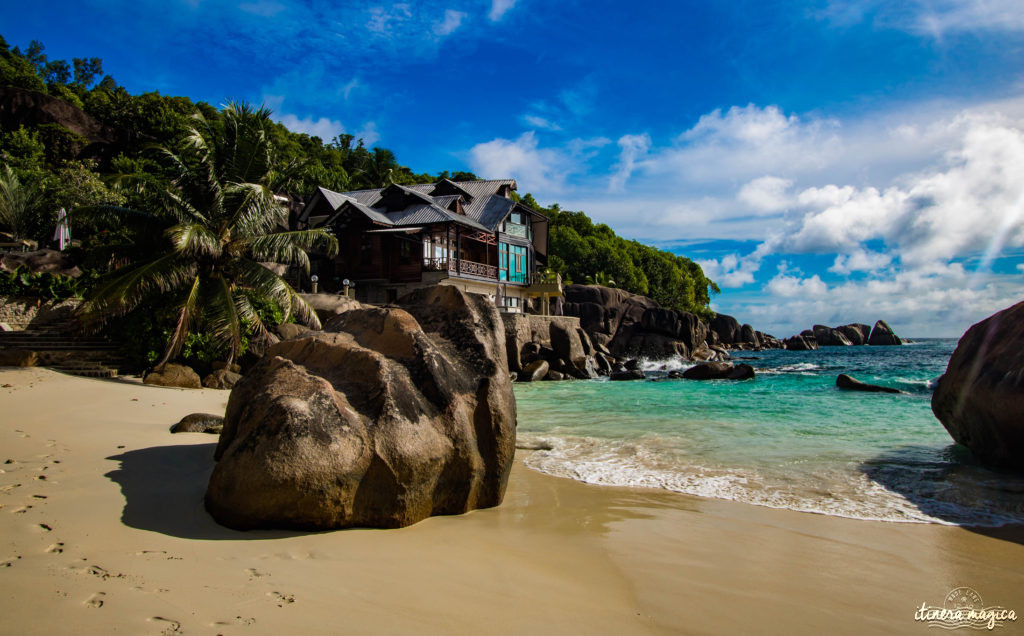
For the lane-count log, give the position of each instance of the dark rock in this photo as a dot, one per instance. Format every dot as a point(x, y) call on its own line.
point(882, 334)
point(719, 371)
point(327, 306)
point(603, 364)
point(565, 341)
point(675, 374)
point(554, 376)
point(403, 413)
point(44, 261)
point(199, 423)
point(748, 335)
point(632, 365)
point(217, 365)
point(28, 108)
point(856, 333)
point(980, 397)
point(176, 375)
point(628, 374)
point(727, 328)
point(852, 384)
point(221, 379)
point(535, 371)
point(801, 343)
point(829, 337)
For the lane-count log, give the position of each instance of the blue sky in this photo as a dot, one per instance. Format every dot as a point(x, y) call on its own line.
point(826, 161)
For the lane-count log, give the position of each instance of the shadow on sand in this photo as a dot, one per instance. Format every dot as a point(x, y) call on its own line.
point(163, 488)
point(954, 487)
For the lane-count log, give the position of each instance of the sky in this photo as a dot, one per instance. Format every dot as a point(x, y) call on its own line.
point(825, 162)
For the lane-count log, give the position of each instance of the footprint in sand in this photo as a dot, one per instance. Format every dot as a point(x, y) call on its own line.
point(96, 600)
point(56, 548)
point(172, 626)
point(9, 562)
point(254, 574)
point(9, 487)
point(22, 510)
point(45, 527)
point(282, 599)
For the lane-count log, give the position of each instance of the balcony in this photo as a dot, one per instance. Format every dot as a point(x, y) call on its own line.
point(457, 267)
point(544, 284)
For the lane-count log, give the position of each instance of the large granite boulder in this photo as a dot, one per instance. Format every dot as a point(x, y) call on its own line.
point(882, 334)
point(727, 328)
point(604, 310)
point(980, 397)
point(176, 375)
point(200, 423)
point(567, 344)
point(829, 337)
point(388, 416)
point(857, 333)
point(535, 371)
point(800, 343)
point(221, 379)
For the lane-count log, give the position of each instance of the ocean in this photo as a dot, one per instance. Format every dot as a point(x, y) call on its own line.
point(786, 439)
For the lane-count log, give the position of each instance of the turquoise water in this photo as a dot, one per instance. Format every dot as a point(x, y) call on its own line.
point(786, 439)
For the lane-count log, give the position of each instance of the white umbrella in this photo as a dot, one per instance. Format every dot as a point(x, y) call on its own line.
point(63, 232)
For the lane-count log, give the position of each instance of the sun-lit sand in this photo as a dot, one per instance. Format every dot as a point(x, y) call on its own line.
point(103, 530)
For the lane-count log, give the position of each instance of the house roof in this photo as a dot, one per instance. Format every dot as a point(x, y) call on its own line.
point(483, 208)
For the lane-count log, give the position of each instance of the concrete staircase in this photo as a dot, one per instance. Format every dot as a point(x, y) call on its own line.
point(60, 347)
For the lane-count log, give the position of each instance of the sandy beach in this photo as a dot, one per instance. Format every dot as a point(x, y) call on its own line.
point(103, 530)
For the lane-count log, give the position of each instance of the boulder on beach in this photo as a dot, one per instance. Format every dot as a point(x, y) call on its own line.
point(388, 416)
point(719, 371)
point(175, 375)
point(980, 397)
point(221, 379)
point(199, 423)
point(848, 383)
point(535, 371)
point(882, 334)
point(40, 261)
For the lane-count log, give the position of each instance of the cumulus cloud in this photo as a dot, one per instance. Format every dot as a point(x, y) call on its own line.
point(632, 147)
point(860, 260)
point(522, 158)
point(787, 286)
point(323, 127)
point(766, 194)
point(536, 121)
point(499, 8)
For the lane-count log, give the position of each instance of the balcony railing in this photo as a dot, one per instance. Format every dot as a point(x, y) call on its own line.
point(456, 266)
point(515, 229)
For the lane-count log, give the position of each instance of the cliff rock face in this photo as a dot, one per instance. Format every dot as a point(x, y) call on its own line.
point(386, 417)
point(801, 343)
point(726, 328)
point(603, 311)
point(882, 334)
point(23, 107)
point(980, 398)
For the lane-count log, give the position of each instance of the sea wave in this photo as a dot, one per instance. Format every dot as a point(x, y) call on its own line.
point(907, 496)
point(801, 368)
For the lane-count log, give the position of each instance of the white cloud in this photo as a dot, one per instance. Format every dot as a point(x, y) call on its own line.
point(860, 260)
point(368, 133)
point(537, 121)
point(324, 128)
point(1021, 267)
point(788, 286)
point(452, 21)
point(538, 168)
point(499, 8)
point(632, 148)
point(766, 194)
point(932, 18)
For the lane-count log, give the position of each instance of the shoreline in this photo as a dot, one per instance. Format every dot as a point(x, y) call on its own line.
point(116, 539)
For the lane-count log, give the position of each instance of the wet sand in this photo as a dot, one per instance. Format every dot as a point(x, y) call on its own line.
point(102, 529)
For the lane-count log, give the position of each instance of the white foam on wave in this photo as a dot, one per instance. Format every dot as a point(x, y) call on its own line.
point(651, 462)
point(800, 368)
point(664, 364)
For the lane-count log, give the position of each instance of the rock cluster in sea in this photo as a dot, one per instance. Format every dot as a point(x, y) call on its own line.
point(843, 336)
point(387, 416)
point(980, 397)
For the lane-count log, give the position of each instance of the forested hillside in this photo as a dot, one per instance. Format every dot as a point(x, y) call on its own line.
point(64, 160)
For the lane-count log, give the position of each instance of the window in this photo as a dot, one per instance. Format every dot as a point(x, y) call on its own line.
point(404, 252)
point(513, 264)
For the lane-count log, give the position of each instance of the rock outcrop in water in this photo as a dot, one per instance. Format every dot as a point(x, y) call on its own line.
point(386, 417)
point(848, 383)
point(882, 334)
point(719, 371)
point(980, 397)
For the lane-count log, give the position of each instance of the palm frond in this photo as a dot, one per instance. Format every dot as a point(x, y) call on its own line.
point(290, 247)
point(187, 315)
point(194, 239)
point(222, 313)
point(124, 290)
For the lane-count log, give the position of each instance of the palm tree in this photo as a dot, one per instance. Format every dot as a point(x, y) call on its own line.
point(219, 221)
point(19, 203)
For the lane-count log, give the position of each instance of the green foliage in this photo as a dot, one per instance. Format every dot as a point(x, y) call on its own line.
point(41, 285)
point(582, 251)
point(19, 203)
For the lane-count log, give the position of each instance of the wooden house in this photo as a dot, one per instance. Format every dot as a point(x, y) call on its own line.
point(472, 234)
